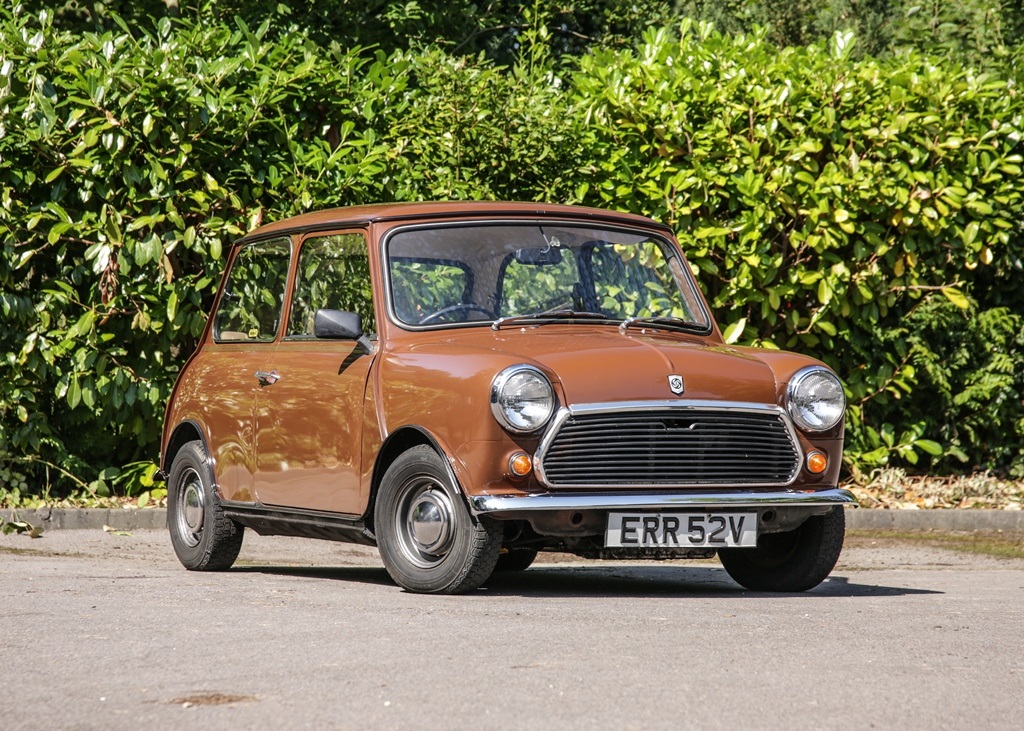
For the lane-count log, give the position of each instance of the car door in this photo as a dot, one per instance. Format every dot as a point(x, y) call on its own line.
point(310, 420)
point(245, 325)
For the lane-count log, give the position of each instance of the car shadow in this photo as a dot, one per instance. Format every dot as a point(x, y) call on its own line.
point(690, 581)
point(602, 581)
point(357, 574)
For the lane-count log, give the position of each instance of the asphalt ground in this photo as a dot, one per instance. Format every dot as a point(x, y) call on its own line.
point(106, 630)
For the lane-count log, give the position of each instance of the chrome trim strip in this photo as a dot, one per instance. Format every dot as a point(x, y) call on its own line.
point(672, 404)
point(703, 500)
point(564, 413)
point(555, 425)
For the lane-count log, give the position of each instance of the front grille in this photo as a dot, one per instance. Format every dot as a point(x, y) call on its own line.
point(667, 448)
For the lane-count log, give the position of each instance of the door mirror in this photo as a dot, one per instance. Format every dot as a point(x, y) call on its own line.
point(338, 325)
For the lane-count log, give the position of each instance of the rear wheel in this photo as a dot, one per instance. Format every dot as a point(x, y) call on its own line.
point(795, 560)
point(427, 539)
point(203, 538)
point(516, 559)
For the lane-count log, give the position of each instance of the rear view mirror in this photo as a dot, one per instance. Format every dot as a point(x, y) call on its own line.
point(537, 256)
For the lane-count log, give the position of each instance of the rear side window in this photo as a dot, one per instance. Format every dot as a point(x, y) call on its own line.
point(333, 274)
point(250, 307)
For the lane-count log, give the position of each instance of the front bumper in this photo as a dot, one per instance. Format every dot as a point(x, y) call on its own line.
point(489, 504)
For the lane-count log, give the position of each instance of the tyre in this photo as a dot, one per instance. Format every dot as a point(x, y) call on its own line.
point(796, 560)
point(203, 538)
point(517, 559)
point(427, 539)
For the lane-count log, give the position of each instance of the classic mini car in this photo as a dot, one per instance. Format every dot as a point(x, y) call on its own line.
point(466, 384)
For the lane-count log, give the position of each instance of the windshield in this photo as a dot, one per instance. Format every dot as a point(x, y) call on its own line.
point(479, 273)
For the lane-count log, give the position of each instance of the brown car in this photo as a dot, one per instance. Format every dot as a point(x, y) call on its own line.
point(466, 384)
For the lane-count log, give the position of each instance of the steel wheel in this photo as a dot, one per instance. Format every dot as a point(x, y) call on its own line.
point(427, 539)
point(203, 538)
point(191, 508)
point(424, 522)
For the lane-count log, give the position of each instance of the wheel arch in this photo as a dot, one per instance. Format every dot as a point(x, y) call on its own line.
point(397, 443)
point(185, 432)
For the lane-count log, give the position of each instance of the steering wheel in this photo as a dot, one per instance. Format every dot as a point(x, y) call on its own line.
point(460, 307)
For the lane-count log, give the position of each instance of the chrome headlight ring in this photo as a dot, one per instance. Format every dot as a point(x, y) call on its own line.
point(815, 399)
point(522, 399)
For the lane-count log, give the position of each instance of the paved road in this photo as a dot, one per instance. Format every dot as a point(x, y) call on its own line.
point(106, 631)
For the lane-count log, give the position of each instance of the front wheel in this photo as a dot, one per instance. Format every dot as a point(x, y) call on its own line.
point(204, 539)
point(795, 560)
point(427, 539)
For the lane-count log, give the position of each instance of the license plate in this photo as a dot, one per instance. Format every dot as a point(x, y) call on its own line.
point(681, 530)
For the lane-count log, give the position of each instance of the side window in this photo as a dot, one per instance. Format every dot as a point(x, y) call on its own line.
point(333, 274)
point(250, 307)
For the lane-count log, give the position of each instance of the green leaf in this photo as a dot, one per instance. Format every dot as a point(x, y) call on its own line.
point(826, 327)
point(74, 396)
point(734, 332)
point(970, 233)
point(927, 445)
point(957, 297)
point(824, 292)
point(876, 457)
point(172, 306)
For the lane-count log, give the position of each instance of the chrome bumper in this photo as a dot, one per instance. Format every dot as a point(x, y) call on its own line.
point(482, 504)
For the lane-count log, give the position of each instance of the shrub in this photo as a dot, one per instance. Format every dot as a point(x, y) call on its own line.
point(821, 200)
point(864, 211)
point(129, 160)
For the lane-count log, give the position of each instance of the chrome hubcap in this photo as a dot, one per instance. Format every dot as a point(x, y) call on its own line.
point(425, 522)
point(430, 522)
point(191, 507)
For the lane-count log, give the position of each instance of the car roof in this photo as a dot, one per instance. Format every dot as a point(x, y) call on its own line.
point(359, 215)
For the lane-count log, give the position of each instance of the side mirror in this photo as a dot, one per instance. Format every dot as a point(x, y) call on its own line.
point(338, 325)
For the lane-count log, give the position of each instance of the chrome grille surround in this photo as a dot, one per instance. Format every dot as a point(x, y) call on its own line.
point(648, 426)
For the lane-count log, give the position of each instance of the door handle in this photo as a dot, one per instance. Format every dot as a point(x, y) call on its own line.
point(267, 378)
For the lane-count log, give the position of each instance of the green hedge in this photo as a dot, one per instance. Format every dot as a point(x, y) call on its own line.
point(862, 211)
point(841, 208)
point(130, 160)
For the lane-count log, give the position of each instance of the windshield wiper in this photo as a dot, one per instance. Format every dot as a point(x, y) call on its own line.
point(549, 315)
point(672, 322)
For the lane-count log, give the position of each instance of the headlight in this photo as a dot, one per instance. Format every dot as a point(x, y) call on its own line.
point(522, 398)
point(815, 399)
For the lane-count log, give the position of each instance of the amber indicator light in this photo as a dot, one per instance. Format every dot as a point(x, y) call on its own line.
point(520, 464)
point(816, 462)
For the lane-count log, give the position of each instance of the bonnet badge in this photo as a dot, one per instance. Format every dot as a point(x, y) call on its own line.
point(675, 382)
